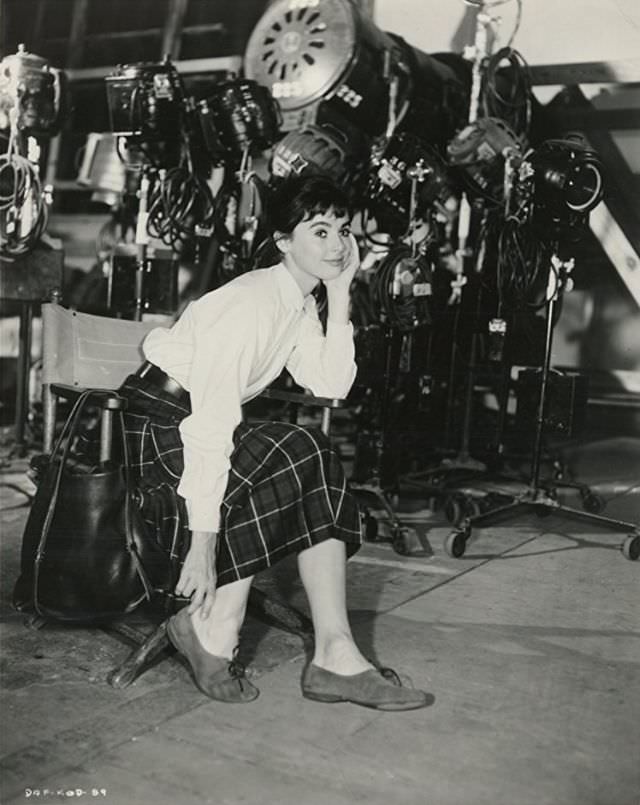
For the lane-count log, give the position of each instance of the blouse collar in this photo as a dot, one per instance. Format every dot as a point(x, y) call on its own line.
point(289, 288)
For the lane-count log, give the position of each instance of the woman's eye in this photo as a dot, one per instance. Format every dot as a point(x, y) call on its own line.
point(345, 233)
point(321, 233)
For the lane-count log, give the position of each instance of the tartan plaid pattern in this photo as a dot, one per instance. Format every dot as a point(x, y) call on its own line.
point(286, 488)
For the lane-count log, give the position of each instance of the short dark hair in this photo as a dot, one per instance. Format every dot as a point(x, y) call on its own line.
point(299, 198)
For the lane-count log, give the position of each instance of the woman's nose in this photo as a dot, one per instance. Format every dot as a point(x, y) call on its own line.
point(336, 245)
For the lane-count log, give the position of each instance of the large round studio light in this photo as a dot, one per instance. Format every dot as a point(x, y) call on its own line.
point(326, 62)
point(309, 51)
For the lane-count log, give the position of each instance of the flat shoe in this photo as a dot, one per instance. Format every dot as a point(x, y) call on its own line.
point(374, 688)
point(217, 677)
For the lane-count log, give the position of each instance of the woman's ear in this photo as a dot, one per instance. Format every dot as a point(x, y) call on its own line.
point(282, 242)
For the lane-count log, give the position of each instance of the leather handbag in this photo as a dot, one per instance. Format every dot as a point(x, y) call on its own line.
point(87, 555)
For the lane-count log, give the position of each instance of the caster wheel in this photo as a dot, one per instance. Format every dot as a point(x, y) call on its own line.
point(631, 547)
point(593, 504)
point(454, 508)
point(398, 543)
point(456, 543)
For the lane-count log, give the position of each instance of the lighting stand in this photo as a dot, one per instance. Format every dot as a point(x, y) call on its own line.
point(463, 466)
point(142, 241)
point(540, 497)
point(370, 492)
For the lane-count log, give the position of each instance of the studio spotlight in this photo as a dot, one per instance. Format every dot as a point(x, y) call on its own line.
point(317, 149)
point(391, 190)
point(568, 174)
point(239, 116)
point(146, 101)
point(479, 152)
point(567, 182)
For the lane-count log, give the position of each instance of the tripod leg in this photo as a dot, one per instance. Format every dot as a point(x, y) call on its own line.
point(596, 519)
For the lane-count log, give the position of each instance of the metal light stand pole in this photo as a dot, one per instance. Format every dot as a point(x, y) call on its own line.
point(463, 463)
point(142, 241)
point(463, 459)
point(537, 498)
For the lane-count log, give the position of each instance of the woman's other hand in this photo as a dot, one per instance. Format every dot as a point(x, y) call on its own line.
point(351, 264)
point(198, 577)
point(338, 288)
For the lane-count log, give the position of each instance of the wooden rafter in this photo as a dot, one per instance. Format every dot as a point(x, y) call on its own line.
point(621, 71)
point(77, 35)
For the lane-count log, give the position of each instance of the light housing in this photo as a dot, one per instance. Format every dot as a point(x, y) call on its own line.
point(568, 182)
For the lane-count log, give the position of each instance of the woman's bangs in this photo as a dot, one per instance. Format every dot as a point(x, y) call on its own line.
point(322, 207)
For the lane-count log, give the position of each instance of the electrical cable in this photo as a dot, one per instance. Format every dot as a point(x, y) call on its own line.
point(520, 265)
point(24, 210)
point(516, 26)
point(514, 78)
point(179, 202)
point(403, 310)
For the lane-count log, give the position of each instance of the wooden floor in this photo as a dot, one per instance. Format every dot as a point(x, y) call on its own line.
point(530, 644)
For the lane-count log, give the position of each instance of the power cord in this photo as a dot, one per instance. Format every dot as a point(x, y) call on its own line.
point(24, 203)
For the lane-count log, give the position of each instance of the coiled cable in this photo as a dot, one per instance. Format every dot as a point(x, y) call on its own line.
point(395, 289)
point(506, 90)
point(24, 208)
point(181, 206)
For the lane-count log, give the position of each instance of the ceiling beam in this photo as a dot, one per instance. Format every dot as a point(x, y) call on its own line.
point(621, 71)
point(213, 64)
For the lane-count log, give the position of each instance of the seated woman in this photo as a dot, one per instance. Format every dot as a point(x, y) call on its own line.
point(252, 494)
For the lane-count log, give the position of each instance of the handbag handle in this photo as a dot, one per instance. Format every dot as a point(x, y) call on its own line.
point(60, 453)
point(128, 499)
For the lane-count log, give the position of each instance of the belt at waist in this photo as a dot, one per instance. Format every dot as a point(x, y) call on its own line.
point(154, 374)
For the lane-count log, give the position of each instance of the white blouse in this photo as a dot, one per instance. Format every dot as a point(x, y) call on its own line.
point(225, 349)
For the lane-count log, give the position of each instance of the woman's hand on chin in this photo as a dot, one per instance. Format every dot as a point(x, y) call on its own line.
point(342, 282)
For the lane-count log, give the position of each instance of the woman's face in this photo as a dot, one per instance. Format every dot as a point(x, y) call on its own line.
point(317, 249)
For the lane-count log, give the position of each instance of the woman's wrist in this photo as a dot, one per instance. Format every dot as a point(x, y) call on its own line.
point(202, 538)
point(338, 304)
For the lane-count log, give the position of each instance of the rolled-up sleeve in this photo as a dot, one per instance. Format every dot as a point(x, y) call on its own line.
point(323, 364)
point(218, 376)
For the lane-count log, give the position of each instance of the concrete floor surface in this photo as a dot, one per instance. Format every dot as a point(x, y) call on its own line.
point(530, 644)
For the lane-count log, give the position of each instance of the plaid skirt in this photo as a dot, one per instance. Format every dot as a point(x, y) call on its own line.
point(286, 490)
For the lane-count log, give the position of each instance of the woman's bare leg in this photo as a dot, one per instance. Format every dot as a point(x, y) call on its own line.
point(323, 573)
point(219, 633)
